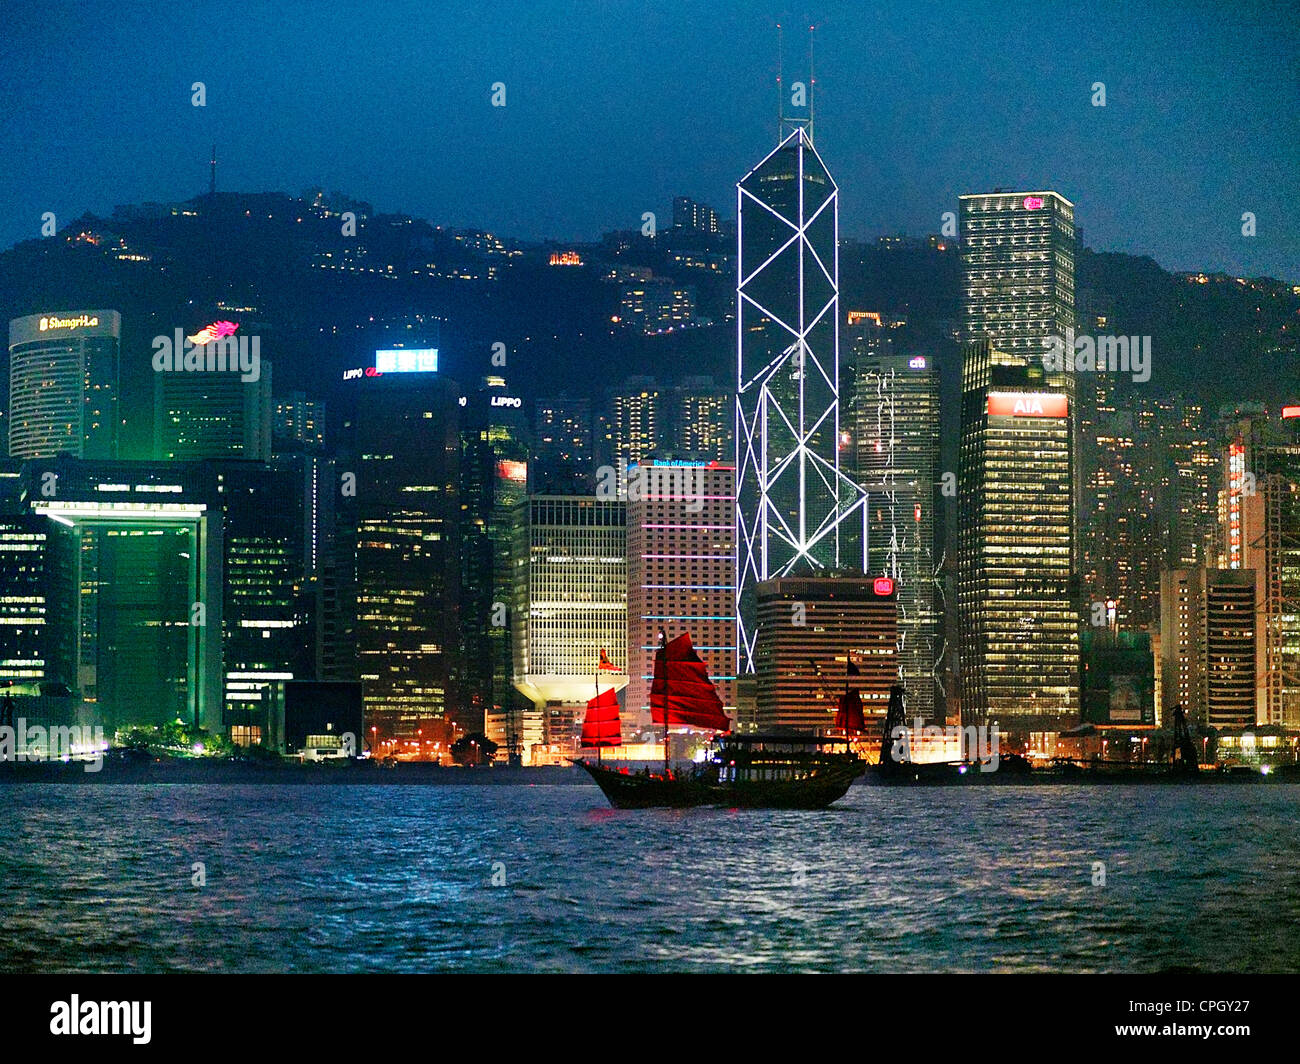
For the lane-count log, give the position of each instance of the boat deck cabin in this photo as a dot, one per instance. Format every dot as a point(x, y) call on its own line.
point(777, 757)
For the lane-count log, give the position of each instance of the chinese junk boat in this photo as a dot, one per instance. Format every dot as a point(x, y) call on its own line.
point(774, 771)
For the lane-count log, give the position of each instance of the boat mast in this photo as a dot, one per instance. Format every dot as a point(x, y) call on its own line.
point(663, 649)
point(599, 758)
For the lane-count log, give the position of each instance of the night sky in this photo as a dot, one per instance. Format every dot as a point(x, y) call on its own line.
point(611, 110)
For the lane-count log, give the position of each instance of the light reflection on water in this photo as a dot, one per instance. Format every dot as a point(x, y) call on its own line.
point(98, 878)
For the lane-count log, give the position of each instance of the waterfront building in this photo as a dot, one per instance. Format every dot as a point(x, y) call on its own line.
point(573, 604)
point(1261, 532)
point(407, 550)
point(681, 567)
point(143, 585)
point(493, 485)
point(810, 629)
point(893, 428)
point(1019, 627)
point(35, 599)
point(1211, 644)
point(573, 569)
point(1118, 688)
point(1018, 493)
point(276, 532)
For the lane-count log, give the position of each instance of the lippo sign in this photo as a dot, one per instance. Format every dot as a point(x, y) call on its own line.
point(1028, 404)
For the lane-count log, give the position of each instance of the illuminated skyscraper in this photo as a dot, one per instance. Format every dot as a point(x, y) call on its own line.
point(63, 384)
point(1017, 490)
point(213, 415)
point(1019, 625)
point(574, 565)
point(276, 526)
point(562, 453)
point(681, 573)
point(142, 594)
point(1211, 646)
point(35, 636)
point(894, 429)
point(408, 571)
point(634, 422)
point(494, 484)
point(1261, 494)
point(796, 512)
point(1017, 259)
point(704, 420)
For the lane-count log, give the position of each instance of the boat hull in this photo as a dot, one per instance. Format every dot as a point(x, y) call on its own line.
point(631, 791)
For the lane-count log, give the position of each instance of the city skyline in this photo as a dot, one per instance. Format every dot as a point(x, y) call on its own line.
point(671, 489)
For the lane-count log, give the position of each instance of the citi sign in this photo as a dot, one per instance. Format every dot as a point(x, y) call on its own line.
point(1028, 404)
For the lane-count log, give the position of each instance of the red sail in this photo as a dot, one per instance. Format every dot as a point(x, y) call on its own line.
point(692, 698)
point(600, 727)
point(849, 715)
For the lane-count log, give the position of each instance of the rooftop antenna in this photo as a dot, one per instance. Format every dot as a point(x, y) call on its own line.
point(780, 94)
point(812, 82)
point(212, 175)
point(786, 123)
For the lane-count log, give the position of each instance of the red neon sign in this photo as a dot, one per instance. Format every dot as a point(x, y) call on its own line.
point(1033, 203)
point(215, 331)
point(1291, 411)
point(883, 585)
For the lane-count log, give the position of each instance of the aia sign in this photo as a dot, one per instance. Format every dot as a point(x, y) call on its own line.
point(1028, 404)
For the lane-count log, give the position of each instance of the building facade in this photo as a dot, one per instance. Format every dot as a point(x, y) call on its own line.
point(63, 384)
point(809, 630)
point(681, 565)
point(575, 605)
point(1019, 625)
point(894, 433)
point(201, 414)
point(407, 551)
point(1018, 492)
point(494, 484)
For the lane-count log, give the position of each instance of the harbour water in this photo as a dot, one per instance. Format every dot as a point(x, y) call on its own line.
point(549, 879)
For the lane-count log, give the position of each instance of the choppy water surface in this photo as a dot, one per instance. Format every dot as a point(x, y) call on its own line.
point(99, 879)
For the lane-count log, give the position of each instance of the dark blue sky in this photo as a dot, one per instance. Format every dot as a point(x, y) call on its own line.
point(613, 109)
